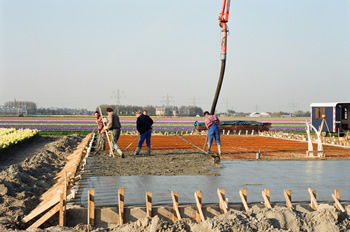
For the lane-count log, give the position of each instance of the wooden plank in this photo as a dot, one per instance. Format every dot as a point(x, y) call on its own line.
point(149, 204)
point(198, 197)
point(336, 197)
point(70, 167)
point(50, 198)
point(313, 200)
point(42, 208)
point(177, 215)
point(222, 202)
point(243, 195)
point(288, 195)
point(121, 193)
point(46, 216)
point(266, 195)
point(91, 207)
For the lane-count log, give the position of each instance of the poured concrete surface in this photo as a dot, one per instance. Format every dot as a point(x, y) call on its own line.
point(323, 176)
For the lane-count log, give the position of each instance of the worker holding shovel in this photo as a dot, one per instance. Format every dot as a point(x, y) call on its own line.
point(114, 126)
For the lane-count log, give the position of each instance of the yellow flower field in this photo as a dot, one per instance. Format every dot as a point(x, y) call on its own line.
point(12, 136)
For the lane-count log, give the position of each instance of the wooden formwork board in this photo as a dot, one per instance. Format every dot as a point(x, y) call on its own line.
point(51, 197)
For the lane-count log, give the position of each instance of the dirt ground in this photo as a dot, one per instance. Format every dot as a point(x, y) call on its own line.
point(159, 163)
point(241, 147)
point(27, 171)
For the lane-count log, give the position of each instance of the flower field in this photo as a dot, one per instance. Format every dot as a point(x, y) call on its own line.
point(82, 123)
point(11, 136)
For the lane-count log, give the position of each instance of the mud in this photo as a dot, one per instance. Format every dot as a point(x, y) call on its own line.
point(22, 183)
point(159, 163)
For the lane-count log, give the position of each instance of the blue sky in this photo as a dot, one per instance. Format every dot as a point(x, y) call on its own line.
point(282, 54)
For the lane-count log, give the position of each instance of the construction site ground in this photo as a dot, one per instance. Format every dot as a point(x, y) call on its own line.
point(239, 147)
point(29, 169)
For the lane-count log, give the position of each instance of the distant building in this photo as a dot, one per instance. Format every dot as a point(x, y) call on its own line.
point(286, 115)
point(166, 111)
point(28, 107)
point(13, 111)
point(259, 115)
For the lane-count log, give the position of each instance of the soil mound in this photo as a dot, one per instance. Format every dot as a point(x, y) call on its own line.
point(22, 184)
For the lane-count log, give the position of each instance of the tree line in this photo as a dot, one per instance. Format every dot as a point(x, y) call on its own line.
point(130, 110)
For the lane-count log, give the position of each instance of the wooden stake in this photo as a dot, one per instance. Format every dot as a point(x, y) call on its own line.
point(198, 197)
point(91, 207)
point(336, 197)
point(62, 210)
point(288, 195)
point(177, 215)
point(65, 192)
point(222, 202)
point(243, 195)
point(121, 193)
point(313, 200)
point(149, 204)
point(266, 195)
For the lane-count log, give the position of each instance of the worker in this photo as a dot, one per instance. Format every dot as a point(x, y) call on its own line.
point(212, 122)
point(113, 125)
point(101, 132)
point(144, 127)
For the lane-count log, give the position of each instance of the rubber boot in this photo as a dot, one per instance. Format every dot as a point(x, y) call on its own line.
point(138, 149)
point(208, 151)
point(219, 149)
point(120, 152)
point(148, 150)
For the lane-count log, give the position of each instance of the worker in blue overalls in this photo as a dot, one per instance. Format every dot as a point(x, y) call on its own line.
point(212, 122)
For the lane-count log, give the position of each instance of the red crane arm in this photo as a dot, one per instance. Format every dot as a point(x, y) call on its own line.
point(225, 10)
point(223, 19)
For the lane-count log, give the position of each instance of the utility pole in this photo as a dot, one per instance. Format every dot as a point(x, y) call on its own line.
point(167, 100)
point(117, 95)
point(293, 105)
point(194, 101)
point(166, 103)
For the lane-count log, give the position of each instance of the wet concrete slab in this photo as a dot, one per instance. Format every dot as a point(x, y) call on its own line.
point(321, 175)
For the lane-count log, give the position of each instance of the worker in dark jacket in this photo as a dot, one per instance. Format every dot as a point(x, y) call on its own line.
point(144, 127)
point(212, 122)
